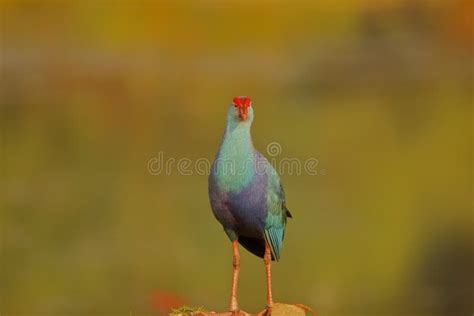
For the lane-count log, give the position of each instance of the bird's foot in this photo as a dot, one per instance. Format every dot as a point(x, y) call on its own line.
point(266, 312)
point(238, 312)
point(234, 307)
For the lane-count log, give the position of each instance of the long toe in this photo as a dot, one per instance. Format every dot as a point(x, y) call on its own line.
point(266, 312)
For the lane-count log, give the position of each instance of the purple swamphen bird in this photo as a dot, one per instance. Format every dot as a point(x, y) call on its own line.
point(246, 196)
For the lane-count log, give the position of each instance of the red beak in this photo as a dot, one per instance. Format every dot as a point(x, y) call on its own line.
point(243, 113)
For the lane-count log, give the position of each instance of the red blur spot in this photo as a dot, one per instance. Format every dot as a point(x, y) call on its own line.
point(163, 301)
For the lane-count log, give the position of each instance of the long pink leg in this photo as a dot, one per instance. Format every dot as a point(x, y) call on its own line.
point(267, 259)
point(234, 306)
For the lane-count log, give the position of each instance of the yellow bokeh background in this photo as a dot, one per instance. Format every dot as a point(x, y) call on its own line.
point(379, 92)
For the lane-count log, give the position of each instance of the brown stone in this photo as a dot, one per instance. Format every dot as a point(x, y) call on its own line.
point(278, 309)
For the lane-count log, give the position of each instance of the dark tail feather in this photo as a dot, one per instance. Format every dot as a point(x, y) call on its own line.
point(254, 245)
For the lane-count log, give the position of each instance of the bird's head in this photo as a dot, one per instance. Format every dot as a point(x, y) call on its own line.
point(241, 111)
point(242, 105)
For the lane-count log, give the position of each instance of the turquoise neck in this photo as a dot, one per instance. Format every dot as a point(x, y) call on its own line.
point(235, 165)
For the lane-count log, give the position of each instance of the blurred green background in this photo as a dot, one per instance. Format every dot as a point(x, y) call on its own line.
point(380, 92)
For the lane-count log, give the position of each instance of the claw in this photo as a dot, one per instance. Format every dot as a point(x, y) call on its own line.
point(266, 312)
